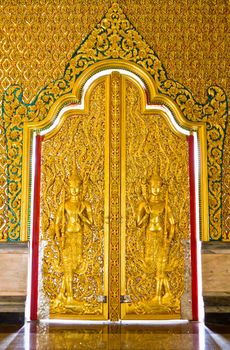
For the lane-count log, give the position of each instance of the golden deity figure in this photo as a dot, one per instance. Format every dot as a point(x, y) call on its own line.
point(156, 216)
point(72, 215)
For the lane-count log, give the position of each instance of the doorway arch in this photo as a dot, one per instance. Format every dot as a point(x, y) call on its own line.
point(115, 306)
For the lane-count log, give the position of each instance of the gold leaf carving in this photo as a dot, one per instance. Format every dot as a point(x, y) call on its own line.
point(83, 137)
point(150, 141)
point(114, 288)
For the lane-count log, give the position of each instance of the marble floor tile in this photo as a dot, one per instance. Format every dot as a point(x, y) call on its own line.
point(53, 336)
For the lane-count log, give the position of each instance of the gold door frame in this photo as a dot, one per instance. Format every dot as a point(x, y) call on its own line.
point(155, 99)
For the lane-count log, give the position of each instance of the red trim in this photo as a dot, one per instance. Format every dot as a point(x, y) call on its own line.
point(35, 233)
point(36, 228)
point(193, 228)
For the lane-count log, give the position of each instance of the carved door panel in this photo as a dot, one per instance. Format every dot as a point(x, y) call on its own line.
point(74, 228)
point(152, 263)
point(108, 267)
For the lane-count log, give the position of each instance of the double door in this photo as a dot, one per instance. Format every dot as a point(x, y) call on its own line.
point(112, 267)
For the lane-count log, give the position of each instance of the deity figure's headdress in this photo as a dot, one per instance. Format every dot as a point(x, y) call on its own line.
point(74, 178)
point(156, 175)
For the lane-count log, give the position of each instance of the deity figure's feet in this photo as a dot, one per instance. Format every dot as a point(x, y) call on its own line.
point(70, 301)
point(73, 304)
point(56, 303)
point(61, 299)
point(167, 299)
point(156, 300)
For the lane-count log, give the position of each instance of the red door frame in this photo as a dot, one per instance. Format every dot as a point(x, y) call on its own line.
point(36, 230)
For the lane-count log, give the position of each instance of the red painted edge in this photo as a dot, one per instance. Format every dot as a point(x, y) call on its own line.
point(35, 231)
point(36, 227)
point(195, 308)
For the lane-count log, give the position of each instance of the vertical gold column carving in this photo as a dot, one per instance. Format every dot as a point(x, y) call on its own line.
point(226, 186)
point(3, 181)
point(114, 276)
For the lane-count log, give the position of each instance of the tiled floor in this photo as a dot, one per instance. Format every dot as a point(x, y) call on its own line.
point(113, 337)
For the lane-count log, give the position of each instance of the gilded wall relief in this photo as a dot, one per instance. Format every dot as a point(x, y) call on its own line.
point(156, 193)
point(113, 38)
point(72, 213)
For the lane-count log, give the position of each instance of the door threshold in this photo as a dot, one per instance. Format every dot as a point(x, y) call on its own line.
point(108, 322)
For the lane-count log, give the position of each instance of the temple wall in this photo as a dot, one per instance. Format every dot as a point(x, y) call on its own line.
point(39, 37)
point(215, 277)
point(14, 265)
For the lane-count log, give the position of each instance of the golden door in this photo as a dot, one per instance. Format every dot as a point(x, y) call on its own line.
point(114, 209)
